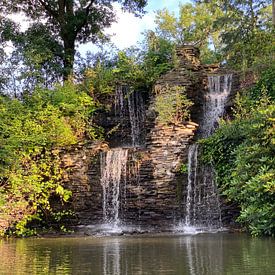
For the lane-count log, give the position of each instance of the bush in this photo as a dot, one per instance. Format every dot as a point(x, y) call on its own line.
point(30, 132)
point(172, 105)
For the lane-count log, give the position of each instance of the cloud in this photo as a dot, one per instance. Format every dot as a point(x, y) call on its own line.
point(127, 31)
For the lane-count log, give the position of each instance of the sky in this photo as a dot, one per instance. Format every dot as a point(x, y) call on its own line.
point(128, 29)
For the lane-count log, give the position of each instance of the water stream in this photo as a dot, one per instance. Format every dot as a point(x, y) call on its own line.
point(113, 174)
point(219, 88)
point(202, 210)
point(129, 104)
point(202, 202)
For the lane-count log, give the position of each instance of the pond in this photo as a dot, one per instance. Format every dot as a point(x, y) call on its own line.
point(220, 253)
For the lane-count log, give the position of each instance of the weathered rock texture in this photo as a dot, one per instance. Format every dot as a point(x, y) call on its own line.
point(154, 183)
point(155, 190)
point(155, 195)
point(82, 175)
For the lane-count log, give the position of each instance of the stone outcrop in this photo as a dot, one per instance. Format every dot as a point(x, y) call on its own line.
point(81, 164)
point(156, 194)
point(154, 182)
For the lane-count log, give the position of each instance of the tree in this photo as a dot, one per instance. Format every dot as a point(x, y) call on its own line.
point(33, 58)
point(238, 33)
point(247, 32)
point(248, 36)
point(194, 25)
point(72, 21)
point(242, 151)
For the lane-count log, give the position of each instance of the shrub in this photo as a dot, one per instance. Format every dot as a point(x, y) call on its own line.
point(172, 105)
point(30, 132)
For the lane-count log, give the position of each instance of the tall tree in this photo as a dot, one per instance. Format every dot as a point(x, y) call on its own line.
point(194, 25)
point(33, 58)
point(72, 21)
point(247, 32)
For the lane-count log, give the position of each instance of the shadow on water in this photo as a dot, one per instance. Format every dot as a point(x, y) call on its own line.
point(220, 253)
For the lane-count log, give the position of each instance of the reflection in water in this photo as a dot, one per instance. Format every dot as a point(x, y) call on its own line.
point(140, 255)
point(111, 258)
point(190, 256)
point(204, 256)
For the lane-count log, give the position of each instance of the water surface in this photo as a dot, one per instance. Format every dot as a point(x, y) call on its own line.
point(220, 253)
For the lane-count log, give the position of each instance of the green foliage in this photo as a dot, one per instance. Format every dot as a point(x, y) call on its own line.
point(195, 25)
point(242, 151)
point(98, 80)
point(158, 57)
point(172, 105)
point(184, 168)
point(247, 35)
point(138, 68)
point(31, 132)
point(265, 85)
point(71, 21)
point(238, 33)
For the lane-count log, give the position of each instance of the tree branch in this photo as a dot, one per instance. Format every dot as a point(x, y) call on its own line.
point(84, 21)
point(89, 6)
point(49, 10)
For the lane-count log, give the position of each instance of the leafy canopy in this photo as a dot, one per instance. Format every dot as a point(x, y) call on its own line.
point(236, 32)
point(71, 21)
point(31, 132)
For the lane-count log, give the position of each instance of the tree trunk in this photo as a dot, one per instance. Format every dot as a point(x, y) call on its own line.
point(69, 50)
point(68, 35)
point(273, 13)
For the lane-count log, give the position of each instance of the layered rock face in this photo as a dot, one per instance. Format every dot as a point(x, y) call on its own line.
point(151, 188)
point(140, 177)
point(82, 175)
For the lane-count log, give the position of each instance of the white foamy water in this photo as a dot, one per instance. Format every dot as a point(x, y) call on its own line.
point(202, 208)
point(113, 174)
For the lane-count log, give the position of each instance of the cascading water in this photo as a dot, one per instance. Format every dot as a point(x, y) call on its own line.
point(130, 109)
point(113, 174)
point(214, 103)
point(192, 178)
point(136, 115)
point(130, 104)
point(202, 202)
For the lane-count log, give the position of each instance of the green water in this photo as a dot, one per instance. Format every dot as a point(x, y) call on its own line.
point(153, 254)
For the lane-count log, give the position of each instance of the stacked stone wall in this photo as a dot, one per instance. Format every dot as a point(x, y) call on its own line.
point(156, 187)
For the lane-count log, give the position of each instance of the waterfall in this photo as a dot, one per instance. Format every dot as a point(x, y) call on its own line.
point(130, 109)
point(120, 100)
point(192, 177)
point(202, 202)
point(214, 103)
point(137, 117)
point(113, 179)
point(130, 105)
